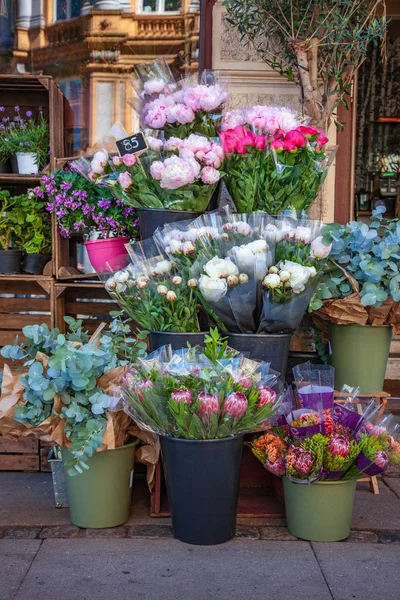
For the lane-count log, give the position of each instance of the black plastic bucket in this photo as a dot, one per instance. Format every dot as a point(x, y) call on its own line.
point(272, 348)
point(10, 261)
point(177, 340)
point(151, 218)
point(35, 263)
point(202, 479)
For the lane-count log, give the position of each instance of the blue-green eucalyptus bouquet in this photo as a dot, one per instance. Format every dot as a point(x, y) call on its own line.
point(363, 271)
point(70, 382)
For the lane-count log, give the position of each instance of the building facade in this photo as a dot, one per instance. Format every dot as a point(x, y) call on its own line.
point(91, 48)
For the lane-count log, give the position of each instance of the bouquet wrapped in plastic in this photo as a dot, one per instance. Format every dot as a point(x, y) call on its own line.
point(198, 393)
point(180, 174)
point(256, 273)
point(273, 162)
point(179, 109)
point(329, 441)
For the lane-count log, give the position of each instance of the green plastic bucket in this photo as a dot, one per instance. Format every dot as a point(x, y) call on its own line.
point(100, 497)
point(360, 355)
point(320, 511)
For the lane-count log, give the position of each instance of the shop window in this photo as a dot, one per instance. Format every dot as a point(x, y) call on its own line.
point(160, 6)
point(67, 9)
point(72, 90)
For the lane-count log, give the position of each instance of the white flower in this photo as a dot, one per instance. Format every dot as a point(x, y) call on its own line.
point(192, 283)
point(273, 270)
point(284, 232)
point(212, 288)
point(162, 267)
point(162, 290)
point(270, 232)
point(272, 281)
point(111, 285)
point(188, 248)
point(284, 276)
point(252, 258)
point(171, 296)
point(121, 287)
point(142, 283)
point(242, 228)
point(303, 234)
point(220, 267)
point(99, 161)
point(299, 275)
point(121, 276)
point(313, 272)
point(243, 278)
point(176, 280)
point(319, 250)
point(211, 232)
point(176, 247)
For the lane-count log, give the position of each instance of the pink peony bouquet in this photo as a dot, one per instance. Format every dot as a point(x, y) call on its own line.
point(331, 440)
point(197, 393)
point(272, 162)
point(180, 110)
point(178, 174)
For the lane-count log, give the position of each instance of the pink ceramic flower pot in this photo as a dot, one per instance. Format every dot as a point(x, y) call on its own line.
point(109, 254)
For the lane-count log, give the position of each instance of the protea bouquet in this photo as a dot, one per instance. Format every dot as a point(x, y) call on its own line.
point(201, 394)
point(324, 443)
point(272, 161)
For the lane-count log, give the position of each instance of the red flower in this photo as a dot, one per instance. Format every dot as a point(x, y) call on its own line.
point(228, 142)
point(300, 460)
point(277, 145)
point(296, 138)
point(182, 394)
point(289, 146)
point(339, 446)
point(260, 142)
point(239, 131)
point(235, 405)
point(266, 396)
point(308, 131)
point(209, 404)
point(322, 139)
point(249, 139)
point(381, 459)
point(240, 147)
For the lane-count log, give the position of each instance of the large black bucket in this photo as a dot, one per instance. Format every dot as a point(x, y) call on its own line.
point(151, 218)
point(272, 348)
point(202, 479)
point(35, 263)
point(10, 261)
point(177, 340)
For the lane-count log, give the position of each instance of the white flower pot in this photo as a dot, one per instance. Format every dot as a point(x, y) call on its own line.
point(27, 163)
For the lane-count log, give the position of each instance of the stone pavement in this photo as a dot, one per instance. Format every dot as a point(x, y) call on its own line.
point(43, 556)
point(165, 569)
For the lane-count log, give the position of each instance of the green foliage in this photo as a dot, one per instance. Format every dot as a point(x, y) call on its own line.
point(74, 367)
point(25, 135)
point(24, 223)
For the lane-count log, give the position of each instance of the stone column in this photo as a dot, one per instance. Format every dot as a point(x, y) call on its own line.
point(194, 6)
point(107, 5)
point(24, 13)
point(87, 6)
point(37, 19)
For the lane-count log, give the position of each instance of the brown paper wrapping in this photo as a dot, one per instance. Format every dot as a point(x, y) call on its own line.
point(120, 427)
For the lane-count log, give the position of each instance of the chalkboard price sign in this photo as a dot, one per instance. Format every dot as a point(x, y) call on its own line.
point(132, 144)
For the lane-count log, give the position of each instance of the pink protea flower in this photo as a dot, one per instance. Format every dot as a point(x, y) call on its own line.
point(182, 394)
point(339, 446)
point(209, 404)
point(266, 396)
point(139, 386)
point(245, 382)
point(235, 405)
point(381, 459)
point(300, 460)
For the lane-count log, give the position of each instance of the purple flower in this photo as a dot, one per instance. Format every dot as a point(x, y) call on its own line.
point(105, 204)
point(79, 225)
point(65, 232)
point(16, 119)
point(16, 108)
point(21, 143)
point(28, 113)
point(2, 126)
point(5, 119)
point(2, 109)
point(66, 185)
point(27, 144)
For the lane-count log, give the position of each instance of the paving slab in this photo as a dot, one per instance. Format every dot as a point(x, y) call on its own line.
point(394, 484)
point(360, 571)
point(16, 557)
point(376, 511)
point(169, 570)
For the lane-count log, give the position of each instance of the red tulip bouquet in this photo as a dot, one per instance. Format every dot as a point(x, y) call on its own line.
point(201, 394)
point(328, 441)
point(273, 162)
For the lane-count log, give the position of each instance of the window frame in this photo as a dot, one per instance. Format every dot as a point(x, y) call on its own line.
point(158, 12)
point(68, 12)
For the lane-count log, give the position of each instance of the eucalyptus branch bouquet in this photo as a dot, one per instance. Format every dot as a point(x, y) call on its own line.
point(68, 392)
point(201, 394)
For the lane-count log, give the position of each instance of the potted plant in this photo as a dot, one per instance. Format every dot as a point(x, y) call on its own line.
point(69, 394)
point(37, 234)
point(26, 139)
point(82, 208)
point(329, 445)
point(357, 301)
point(200, 402)
point(172, 181)
point(11, 234)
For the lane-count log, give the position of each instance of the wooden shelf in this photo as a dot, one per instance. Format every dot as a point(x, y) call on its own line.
point(24, 277)
point(80, 284)
point(364, 213)
point(15, 178)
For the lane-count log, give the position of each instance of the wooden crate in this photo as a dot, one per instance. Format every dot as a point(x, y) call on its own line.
point(19, 455)
point(24, 300)
point(87, 301)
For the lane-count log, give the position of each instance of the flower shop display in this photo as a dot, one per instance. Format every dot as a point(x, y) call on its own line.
point(357, 303)
point(201, 402)
point(273, 163)
point(24, 227)
point(83, 208)
point(68, 394)
point(179, 108)
point(329, 445)
point(25, 139)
